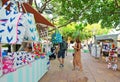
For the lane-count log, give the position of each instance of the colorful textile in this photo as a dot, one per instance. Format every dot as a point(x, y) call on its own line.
point(31, 33)
point(8, 65)
point(8, 25)
point(21, 30)
point(16, 27)
point(37, 49)
point(27, 20)
point(56, 37)
point(21, 58)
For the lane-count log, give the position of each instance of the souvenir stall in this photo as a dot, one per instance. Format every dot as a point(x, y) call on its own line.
point(106, 42)
point(16, 27)
point(108, 49)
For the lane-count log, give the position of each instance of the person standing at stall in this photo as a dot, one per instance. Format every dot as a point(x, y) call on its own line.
point(77, 55)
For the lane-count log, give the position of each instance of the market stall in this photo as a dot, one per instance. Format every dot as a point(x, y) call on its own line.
point(107, 48)
point(30, 63)
point(103, 43)
point(28, 73)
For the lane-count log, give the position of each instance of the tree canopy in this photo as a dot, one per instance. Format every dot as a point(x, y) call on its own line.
point(85, 11)
point(89, 11)
point(74, 30)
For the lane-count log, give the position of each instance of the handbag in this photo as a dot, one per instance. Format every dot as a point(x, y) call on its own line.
point(56, 37)
point(21, 27)
point(73, 54)
point(26, 26)
point(8, 24)
point(31, 33)
point(28, 21)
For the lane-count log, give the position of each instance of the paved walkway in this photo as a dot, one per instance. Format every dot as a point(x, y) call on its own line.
point(94, 70)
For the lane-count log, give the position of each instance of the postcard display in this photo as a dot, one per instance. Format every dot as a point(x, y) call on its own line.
point(15, 28)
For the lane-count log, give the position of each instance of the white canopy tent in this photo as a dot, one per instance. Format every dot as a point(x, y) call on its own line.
point(112, 37)
point(96, 49)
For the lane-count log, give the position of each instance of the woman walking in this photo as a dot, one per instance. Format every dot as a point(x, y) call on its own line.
point(77, 55)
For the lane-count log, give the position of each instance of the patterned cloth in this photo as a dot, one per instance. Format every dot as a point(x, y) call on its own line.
point(31, 32)
point(21, 58)
point(8, 25)
point(8, 65)
point(15, 26)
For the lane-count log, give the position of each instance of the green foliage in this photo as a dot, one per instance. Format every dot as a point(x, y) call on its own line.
point(68, 30)
point(88, 11)
point(78, 31)
point(74, 30)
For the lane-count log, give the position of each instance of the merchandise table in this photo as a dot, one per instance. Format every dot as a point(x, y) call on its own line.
point(28, 73)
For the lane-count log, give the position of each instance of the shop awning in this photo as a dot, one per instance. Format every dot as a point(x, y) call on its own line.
point(107, 37)
point(38, 17)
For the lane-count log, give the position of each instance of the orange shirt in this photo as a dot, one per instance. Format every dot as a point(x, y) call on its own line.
point(113, 46)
